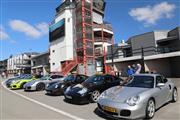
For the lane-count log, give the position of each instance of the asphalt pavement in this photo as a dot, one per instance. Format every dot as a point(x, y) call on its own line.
point(36, 105)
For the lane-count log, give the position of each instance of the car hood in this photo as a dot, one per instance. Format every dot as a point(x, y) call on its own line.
point(52, 85)
point(30, 83)
point(76, 88)
point(122, 93)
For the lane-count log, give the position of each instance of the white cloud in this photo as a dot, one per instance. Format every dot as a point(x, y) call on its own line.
point(151, 14)
point(43, 27)
point(29, 30)
point(3, 34)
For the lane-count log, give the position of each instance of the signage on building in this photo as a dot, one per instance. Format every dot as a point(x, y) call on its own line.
point(57, 30)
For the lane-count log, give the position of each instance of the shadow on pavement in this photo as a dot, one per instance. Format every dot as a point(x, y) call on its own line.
point(52, 95)
point(75, 103)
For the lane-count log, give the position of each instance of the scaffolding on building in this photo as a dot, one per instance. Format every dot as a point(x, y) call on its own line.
point(84, 34)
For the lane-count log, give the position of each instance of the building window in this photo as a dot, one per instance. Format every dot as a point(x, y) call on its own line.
point(53, 63)
point(53, 51)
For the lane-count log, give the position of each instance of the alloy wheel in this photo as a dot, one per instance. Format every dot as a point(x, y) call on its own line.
point(95, 95)
point(151, 109)
point(175, 95)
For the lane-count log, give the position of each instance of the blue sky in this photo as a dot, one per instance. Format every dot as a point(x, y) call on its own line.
point(24, 23)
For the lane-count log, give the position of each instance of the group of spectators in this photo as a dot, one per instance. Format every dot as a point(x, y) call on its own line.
point(134, 69)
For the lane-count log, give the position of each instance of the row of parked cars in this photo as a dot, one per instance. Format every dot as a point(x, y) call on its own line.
point(135, 97)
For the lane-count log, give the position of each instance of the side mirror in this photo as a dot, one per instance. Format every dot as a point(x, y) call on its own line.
point(50, 78)
point(160, 85)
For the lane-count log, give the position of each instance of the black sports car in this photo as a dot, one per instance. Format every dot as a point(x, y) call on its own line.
point(90, 89)
point(58, 88)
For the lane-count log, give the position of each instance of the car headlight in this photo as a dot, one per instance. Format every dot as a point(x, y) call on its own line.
point(56, 86)
point(132, 101)
point(47, 85)
point(82, 91)
point(62, 86)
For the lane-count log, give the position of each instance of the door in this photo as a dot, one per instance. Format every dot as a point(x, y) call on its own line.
point(162, 92)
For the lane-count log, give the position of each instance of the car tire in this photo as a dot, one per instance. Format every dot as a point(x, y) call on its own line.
point(174, 95)
point(40, 86)
point(22, 85)
point(95, 96)
point(150, 109)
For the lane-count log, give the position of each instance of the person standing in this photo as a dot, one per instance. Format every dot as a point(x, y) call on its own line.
point(130, 70)
point(138, 71)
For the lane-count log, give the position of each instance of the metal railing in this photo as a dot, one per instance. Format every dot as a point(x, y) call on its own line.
point(104, 26)
point(102, 39)
point(145, 51)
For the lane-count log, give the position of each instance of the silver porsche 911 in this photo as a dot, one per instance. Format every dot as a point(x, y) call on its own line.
point(40, 84)
point(139, 98)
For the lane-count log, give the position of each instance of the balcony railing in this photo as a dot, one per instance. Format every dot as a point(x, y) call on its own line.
point(102, 39)
point(104, 26)
point(146, 51)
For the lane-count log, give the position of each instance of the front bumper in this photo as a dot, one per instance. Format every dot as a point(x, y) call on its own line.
point(54, 92)
point(30, 88)
point(15, 86)
point(77, 98)
point(122, 110)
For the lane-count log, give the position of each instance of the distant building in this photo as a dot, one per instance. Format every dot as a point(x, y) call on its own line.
point(157, 51)
point(78, 36)
point(20, 63)
point(3, 66)
point(40, 63)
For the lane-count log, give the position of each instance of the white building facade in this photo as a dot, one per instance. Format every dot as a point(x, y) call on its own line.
point(20, 63)
point(63, 47)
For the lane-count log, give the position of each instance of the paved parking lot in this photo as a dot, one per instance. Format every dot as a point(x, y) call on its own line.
point(37, 105)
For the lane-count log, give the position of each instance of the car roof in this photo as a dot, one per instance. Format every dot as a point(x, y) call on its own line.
point(151, 75)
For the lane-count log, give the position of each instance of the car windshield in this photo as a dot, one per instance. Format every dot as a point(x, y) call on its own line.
point(26, 77)
point(69, 78)
point(95, 78)
point(141, 81)
point(45, 77)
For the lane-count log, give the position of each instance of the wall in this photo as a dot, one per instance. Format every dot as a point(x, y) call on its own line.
point(175, 66)
point(160, 35)
point(161, 66)
point(97, 18)
point(62, 48)
point(143, 40)
point(169, 67)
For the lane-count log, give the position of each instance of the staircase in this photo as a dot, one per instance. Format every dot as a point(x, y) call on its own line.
point(68, 67)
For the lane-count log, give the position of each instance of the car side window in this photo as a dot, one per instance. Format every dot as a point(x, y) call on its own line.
point(164, 79)
point(59, 76)
point(159, 80)
point(83, 77)
point(109, 79)
point(78, 79)
point(53, 77)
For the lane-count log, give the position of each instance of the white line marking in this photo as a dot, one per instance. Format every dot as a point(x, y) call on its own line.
point(44, 105)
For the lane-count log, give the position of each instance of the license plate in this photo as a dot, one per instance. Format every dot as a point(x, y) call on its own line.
point(109, 109)
point(69, 97)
